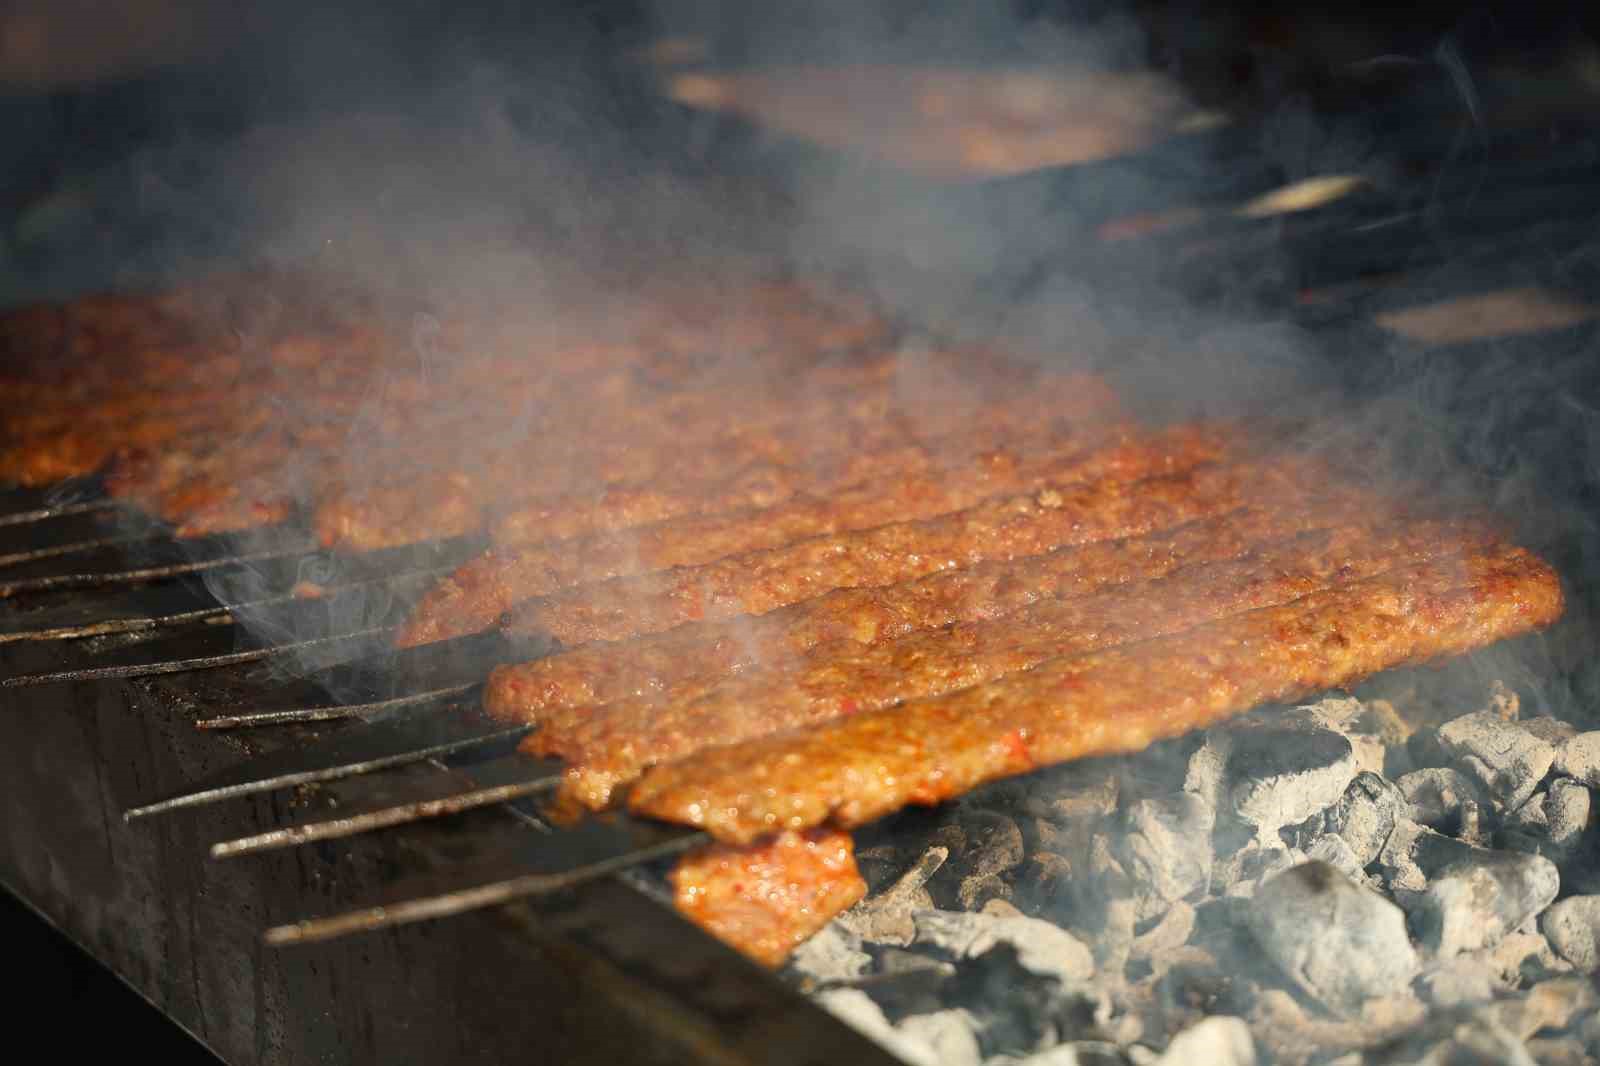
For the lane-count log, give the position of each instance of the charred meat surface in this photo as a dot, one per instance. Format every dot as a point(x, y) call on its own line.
point(766, 899)
point(695, 656)
point(235, 402)
point(1006, 527)
point(612, 744)
point(771, 538)
point(855, 769)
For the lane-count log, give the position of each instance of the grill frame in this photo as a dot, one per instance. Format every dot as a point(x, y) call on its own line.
point(601, 973)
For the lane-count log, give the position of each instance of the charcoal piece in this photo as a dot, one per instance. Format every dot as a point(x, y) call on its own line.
point(1218, 1041)
point(1015, 1010)
point(1042, 948)
point(1167, 849)
point(1075, 792)
point(1502, 755)
point(1559, 1051)
point(1247, 870)
point(991, 845)
point(1047, 880)
point(1169, 932)
point(1441, 798)
point(1550, 730)
point(1474, 828)
point(1548, 1006)
point(1087, 1053)
point(1367, 729)
point(1424, 751)
point(949, 835)
point(1363, 817)
point(1415, 855)
point(1081, 1053)
point(1461, 980)
point(1338, 713)
point(1196, 984)
point(994, 844)
point(1573, 928)
point(1340, 943)
point(1396, 865)
point(834, 954)
point(1579, 758)
point(856, 1009)
point(1569, 812)
point(1104, 908)
point(1332, 850)
point(1206, 773)
point(948, 1035)
point(904, 982)
point(1529, 819)
point(1473, 902)
point(1464, 1036)
point(1366, 814)
point(1293, 1033)
point(1000, 908)
point(1523, 958)
point(891, 960)
point(1552, 823)
point(1279, 776)
point(886, 917)
point(976, 892)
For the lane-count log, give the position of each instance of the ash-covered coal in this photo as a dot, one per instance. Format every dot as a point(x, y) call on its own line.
point(1158, 909)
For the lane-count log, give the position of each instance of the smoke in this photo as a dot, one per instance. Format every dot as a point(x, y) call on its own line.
point(532, 167)
point(478, 184)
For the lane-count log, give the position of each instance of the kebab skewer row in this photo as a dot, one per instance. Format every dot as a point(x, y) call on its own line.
point(1298, 516)
point(853, 770)
point(768, 895)
point(1008, 527)
point(1068, 573)
point(438, 483)
point(741, 463)
point(695, 656)
point(821, 535)
point(611, 745)
point(90, 415)
point(826, 457)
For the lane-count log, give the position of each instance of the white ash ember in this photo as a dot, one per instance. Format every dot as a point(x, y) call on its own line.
point(1324, 885)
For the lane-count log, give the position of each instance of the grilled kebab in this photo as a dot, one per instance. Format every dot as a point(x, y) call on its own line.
point(795, 588)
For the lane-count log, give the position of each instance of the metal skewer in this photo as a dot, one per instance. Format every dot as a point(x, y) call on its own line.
point(143, 666)
point(378, 747)
point(439, 697)
point(621, 842)
point(19, 506)
point(134, 575)
point(77, 547)
point(501, 780)
point(275, 555)
point(438, 675)
point(170, 618)
point(39, 514)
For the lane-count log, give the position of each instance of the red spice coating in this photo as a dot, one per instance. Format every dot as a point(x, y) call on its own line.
point(766, 900)
point(611, 745)
point(855, 769)
point(691, 658)
point(476, 595)
point(1004, 527)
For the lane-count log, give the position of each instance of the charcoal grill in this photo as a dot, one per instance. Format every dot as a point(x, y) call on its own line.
point(604, 972)
point(601, 970)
